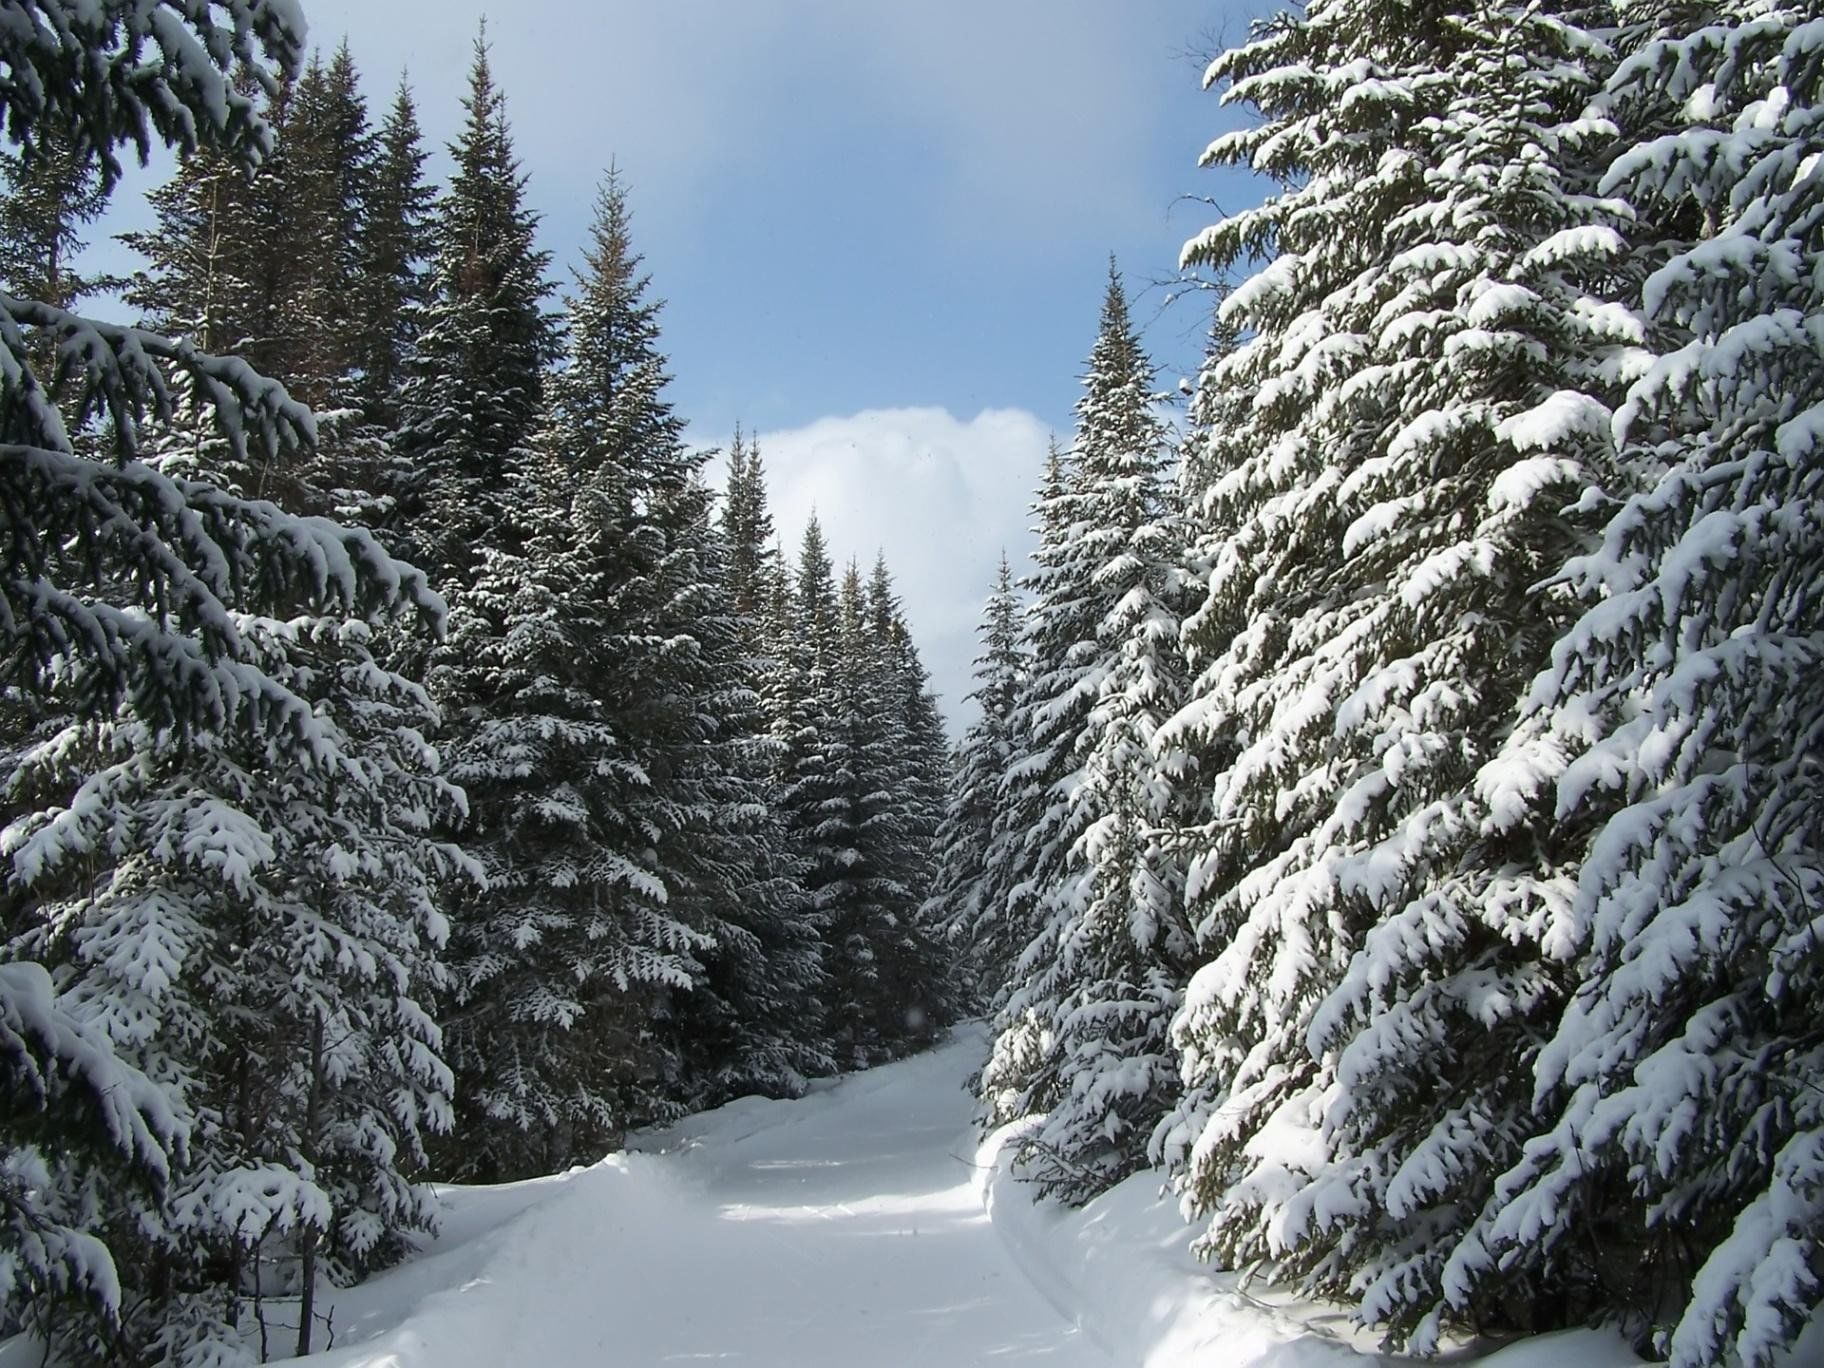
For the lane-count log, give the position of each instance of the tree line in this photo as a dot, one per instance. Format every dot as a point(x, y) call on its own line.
point(1394, 809)
point(409, 766)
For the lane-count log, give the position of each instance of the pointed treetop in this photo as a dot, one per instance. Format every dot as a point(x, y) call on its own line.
point(610, 400)
point(482, 143)
point(747, 526)
point(883, 603)
point(610, 255)
point(814, 549)
point(1115, 317)
point(1117, 357)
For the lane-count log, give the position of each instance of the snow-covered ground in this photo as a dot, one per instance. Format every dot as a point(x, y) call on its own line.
point(844, 1229)
point(859, 1227)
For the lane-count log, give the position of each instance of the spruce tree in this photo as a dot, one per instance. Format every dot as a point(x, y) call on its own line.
point(747, 526)
point(564, 957)
point(332, 169)
point(911, 775)
point(620, 797)
point(862, 828)
point(126, 598)
point(473, 391)
point(1082, 1037)
point(51, 197)
point(557, 957)
point(684, 699)
point(395, 247)
point(198, 285)
point(1677, 729)
point(1396, 456)
point(815, 782)
point(259, 938)
point(265, 264)
point(957, 909)
point(1019, 841)
point(752, 1021)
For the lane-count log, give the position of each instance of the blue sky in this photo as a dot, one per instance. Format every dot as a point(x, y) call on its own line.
point(882, 230)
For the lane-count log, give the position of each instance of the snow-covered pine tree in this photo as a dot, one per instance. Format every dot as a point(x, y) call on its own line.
point(683, 702)
point(862, 827)
point(917, 979)
point(747, 527)
point(1037, 739)
point(357, 1130)
point(124, 592)
point(1082, 1038)
point(266, 264)
point(802, 695)
point(198, 286)
point(956, 910)
point(752, 1021)
point(1393, 451)
point(780, 661)
point(861, 821)
point(788, 975)
point(51, 198)
point(1680, 724)
point(395, 248)
point(258, 936)
point(474, 384)
point(552, 675)
point(330, 175)
point(371, 288)
point(556, 957)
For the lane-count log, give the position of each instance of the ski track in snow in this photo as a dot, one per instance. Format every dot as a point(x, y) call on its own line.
point(842, 1229)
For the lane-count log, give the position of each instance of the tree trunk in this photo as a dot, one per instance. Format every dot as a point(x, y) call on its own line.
point(307, 1237)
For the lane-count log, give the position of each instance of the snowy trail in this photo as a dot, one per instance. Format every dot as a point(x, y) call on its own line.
point(848, 1229)
point(843, 1229)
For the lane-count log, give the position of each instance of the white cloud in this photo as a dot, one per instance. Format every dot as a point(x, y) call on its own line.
point(941, 496)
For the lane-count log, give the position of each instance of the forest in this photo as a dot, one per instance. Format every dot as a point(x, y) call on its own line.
point(1390, 810)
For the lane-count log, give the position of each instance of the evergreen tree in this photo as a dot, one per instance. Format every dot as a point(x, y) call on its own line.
point(911, 776)
point(619, 790)
point(558, 956)
point(51, 197)
point(1677, 728)
point(684, 700)
point(781, 657)
point(198, 285)
point(265, 264)
point(747, 526)
point(574, 943)
point(752, 1022)
point(1022, 840)
point(395, 245)
point(125, 599)
point(333, 169)
point(814, 781)
point(1083, 1035)
point(862, 830)
point(1394, 460)
point(270, 245)
point(258, 937)
point(957, 910)
point(473, 390)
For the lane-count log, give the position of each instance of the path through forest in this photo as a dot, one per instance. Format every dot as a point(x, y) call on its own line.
point(848, 1229)
point(841, 1229)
